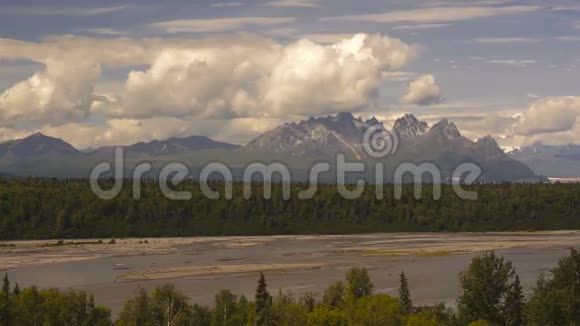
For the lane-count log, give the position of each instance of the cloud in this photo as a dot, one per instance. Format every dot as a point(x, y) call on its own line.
point(420, 26)
point(398, 76)
point(521, 63)
point(571, 136)
point(422, 91)
point(61, 92)
point(326, 38)
point(549, 115)
point(294, 3)
point(502, 40)
point(243, 130)
point(224, 78)
point(284, 32)
point(7, 134)
point(218, 24)
point(566, 8)
point(58, 11)
point(437, 14)
point(102, 31)
point(122, 132)
point(227, 4)
point(569, 38)
point(260, 80)
point(69, 48)
point(491, 123)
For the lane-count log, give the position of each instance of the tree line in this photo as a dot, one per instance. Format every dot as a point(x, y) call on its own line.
point(490, 294)
point(33, 208)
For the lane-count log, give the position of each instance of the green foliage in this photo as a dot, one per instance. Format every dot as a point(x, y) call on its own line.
point(32, 306)
point(325, 316)
point(286, 311)
point(308, 301)
point(425, 318)
point(557, 301)
point(484, 287)
point(405, 295)
point(224, 307)
point(334, 295)
point(200, 315)
point(263, 303)
point(6, 286)
point(56, 208)
point(136, 311)
point(514, 304)
point(437, 314)
point(379, 309)
point(169, 307)
point(5, 302)
point(359, 284)
point(165, 306)
point(480, 323)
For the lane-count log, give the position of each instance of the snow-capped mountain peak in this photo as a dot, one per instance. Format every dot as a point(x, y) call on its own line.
point(408, 126)
point(342, 133)
point(447, 129)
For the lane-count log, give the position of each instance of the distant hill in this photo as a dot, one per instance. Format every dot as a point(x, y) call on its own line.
point(552, 161)
point(172, 146)
point(36, 145)
point(43, 156)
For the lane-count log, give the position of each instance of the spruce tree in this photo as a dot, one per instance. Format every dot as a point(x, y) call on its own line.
point(16, 289)
point(6, 287)
point(5, 313)
point(514, 304)
point(263, 303)
point(405, 295)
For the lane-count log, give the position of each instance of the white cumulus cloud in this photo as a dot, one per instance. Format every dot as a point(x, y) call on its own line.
point(227, 78)
point(423, 91)
point(260, 80)
point(61, 92)
point(549, 115)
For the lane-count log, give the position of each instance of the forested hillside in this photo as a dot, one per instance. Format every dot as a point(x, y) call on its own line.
point(54, 208)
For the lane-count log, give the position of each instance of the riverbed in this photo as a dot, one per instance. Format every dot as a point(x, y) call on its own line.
point(199, 267)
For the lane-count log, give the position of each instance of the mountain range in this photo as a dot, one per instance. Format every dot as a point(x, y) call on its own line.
point(554, 161)
point(169, 146)
point(298, 144)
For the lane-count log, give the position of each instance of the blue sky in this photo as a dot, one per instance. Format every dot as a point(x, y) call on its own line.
point(500, 67)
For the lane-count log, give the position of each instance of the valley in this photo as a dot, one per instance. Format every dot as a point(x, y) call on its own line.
point(202, 266)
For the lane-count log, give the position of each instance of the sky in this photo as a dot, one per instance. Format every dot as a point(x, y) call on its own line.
point(114, 72)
